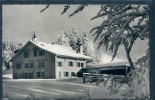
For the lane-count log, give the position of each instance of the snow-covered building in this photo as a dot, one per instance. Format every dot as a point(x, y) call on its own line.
point(114, 68)
point(42, 60)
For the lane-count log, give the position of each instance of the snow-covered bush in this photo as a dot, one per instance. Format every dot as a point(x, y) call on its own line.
point(139, 79)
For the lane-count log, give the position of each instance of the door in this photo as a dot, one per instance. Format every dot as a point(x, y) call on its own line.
point(59, 74)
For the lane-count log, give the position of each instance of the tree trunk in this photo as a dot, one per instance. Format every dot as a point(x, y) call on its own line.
point(128, 57)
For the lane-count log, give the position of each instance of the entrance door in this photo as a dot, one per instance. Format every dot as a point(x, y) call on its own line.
point(59, 74)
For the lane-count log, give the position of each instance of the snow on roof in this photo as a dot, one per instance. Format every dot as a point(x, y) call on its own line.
point(109, 64)
point(59, 50)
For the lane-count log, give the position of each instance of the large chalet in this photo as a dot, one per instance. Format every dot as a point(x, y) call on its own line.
point(42, 60)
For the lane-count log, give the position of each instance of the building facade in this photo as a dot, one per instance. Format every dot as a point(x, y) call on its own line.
point(41, 60)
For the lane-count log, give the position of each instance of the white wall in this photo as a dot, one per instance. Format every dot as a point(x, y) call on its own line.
point(66, 68)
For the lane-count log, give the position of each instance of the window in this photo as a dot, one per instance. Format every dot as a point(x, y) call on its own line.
point(26, 54)
point(26, 65)
point(38, 74)
point(35, 52)
point(41, 53)
point(78, 64)
point(18, 66)
point(82, 64)
point(59, 64)
point(72, 73)
point(66, 74)
point(41, 74)
point(31, 65)
point(41, 64)
point(70, 63)
point(26, 75)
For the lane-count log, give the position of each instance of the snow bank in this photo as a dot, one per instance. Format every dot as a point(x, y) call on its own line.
point(7, 76)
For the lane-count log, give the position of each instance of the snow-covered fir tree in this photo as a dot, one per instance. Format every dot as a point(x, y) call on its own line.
point(85, 41)
point(75, 41)
point(8, 49)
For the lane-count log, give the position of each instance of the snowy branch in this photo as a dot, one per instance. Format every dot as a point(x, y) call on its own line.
point(80, 8)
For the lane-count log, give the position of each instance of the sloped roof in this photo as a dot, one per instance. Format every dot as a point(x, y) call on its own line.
point(109, 64)
point(59, 50)
point(118, 65)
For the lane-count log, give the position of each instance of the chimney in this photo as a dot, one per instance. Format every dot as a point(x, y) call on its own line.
point(81, 49)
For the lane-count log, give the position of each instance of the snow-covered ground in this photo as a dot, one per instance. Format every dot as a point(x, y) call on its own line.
point(54, 89)
point(7, 76)
point(51, 88)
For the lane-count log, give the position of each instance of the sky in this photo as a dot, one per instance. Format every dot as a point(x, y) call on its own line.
point(19, 21)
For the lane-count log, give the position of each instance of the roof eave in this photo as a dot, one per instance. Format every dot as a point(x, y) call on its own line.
point(75, 57)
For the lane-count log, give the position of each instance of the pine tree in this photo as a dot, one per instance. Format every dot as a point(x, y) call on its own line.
point(74, 37)
point(85, 43)
point(75, 41)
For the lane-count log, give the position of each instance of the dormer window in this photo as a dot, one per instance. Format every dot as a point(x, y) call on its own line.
point(26, 54)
